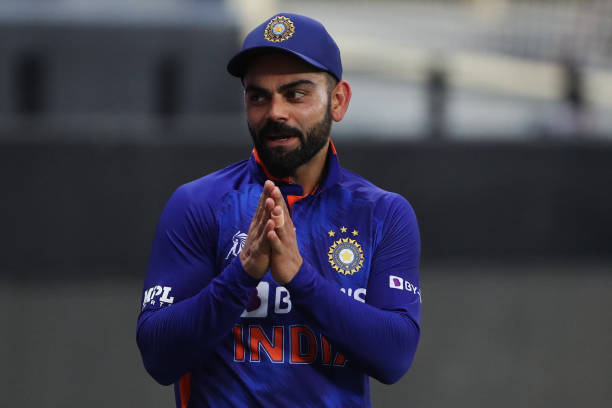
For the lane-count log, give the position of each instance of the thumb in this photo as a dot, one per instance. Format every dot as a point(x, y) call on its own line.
point(275, 243)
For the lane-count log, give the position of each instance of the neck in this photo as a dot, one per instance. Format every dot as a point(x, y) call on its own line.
point(309, 174)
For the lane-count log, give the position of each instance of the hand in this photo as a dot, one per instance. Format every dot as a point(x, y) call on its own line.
point(255, 255)
point(285, 258)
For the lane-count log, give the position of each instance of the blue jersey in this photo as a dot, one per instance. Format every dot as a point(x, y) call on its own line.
point(226, 339)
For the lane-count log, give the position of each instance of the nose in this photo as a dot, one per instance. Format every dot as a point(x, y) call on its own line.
point(279, 109)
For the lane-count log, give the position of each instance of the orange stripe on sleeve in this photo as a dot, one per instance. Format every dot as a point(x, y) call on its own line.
point(185, 389)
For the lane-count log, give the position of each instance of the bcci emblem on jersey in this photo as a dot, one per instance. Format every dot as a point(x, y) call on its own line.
point(345, 255)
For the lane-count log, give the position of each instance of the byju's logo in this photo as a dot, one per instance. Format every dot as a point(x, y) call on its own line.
point(238, 240)
point(395, 282)
point(258, 301)
point(257, 305)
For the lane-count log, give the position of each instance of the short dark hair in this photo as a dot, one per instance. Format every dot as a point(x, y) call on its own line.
point(331, 81)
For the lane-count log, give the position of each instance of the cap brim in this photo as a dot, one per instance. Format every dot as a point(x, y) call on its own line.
point(238, 64)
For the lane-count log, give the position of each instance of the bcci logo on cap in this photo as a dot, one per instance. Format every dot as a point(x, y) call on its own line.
point(280, 28)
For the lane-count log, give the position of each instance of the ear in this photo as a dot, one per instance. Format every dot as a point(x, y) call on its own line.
point(340, 98)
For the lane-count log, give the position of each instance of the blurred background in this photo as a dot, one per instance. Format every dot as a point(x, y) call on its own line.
point(492, 117)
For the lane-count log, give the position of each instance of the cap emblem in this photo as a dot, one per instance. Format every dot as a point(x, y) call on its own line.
point(280, 28)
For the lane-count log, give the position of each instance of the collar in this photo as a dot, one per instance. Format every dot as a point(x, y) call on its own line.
point(292, 191)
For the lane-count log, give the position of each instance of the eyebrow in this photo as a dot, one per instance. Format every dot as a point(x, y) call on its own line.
point(282, 88)
point(255, 88)
point(296, 83)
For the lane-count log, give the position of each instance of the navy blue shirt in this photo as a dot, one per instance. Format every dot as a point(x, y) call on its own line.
point(226, 339)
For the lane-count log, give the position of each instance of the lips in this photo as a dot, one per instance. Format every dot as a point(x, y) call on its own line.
point(280, 139)
point(278, 134)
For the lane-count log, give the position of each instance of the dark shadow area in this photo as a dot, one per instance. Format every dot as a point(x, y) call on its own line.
point(168, 95)
point(83, 205)
point(30, 77)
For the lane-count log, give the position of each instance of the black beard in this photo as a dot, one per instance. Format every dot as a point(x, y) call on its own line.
point(282, 163)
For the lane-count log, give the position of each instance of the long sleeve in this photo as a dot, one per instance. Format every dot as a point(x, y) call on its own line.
point(186, 308)
point(177, 338)
point(382, 334)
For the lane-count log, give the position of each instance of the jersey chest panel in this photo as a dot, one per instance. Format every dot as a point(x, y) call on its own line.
point(336, 238)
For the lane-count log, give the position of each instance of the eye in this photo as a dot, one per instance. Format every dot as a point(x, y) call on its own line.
point(255, 97)
point(295, 94)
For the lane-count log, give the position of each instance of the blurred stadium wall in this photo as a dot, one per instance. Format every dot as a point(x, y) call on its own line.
point(492, 117)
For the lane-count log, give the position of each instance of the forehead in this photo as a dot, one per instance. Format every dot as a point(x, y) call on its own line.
point(280, 66)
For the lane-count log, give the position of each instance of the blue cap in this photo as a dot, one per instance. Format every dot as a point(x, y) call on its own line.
point(294, 34)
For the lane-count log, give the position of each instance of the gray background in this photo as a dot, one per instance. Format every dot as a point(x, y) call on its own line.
point(530, 334)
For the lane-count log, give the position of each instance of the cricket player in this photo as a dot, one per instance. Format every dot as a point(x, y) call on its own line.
point(283, 280)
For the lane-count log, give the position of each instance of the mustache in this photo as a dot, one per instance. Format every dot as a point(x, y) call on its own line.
point(272, 128)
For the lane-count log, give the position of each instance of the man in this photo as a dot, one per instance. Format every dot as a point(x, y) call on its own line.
point(288, 292)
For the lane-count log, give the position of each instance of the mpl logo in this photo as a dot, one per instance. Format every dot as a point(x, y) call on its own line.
point(152, 293)
point(395, 282)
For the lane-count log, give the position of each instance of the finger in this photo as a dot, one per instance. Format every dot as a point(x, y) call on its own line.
point(275, 243)
point(266, 192)
point(268, 187)
point(277, 196)
point(260, 207)
point(278, 217)
point(261, 240)
point(286, 233)
point(269, 227)
point(278, 199)
point(262, 221)
point(269, 204)
point(285, 229)
point(263, 213)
